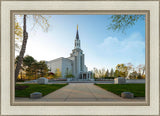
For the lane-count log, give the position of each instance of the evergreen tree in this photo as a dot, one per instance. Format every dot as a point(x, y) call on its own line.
point(112, 73)
point(107, 73)
point(43, 68)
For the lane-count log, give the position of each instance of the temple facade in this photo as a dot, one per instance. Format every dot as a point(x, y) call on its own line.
point(73, 65)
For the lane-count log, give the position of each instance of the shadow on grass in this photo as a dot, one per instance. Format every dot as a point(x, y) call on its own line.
point(44, 89)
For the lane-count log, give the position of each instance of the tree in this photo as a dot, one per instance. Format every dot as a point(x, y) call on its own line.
point(93, 75)
point(18, 35)
point(143, 71)
point(21, 67)
point(35, 68)
point(123, 22)
point(28, 60)
point(96, 74)
point(43, 68)
point(39, 19)
point(107, 73)
point(32, 68)
point(16, 60)
point(27, 63)
point(99, 73)
point(117, 73)
point(58, 72)
point(122, 70)
point(102, 72)
point(129, 68)
point(133, 75)
point(51, 75)
point(112, 73)
point(25, 37)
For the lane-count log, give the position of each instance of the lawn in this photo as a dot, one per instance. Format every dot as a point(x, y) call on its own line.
point(137, 89)
point(24, 90)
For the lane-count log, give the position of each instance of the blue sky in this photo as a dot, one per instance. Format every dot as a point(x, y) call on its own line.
point(102, 48)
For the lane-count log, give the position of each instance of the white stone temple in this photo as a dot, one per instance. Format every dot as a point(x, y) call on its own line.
point(75, 64)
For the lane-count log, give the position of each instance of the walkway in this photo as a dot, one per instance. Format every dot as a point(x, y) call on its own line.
point(82, 92)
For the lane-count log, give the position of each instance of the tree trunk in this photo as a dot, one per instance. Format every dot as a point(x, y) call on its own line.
point(143, 71)
point(21, 55)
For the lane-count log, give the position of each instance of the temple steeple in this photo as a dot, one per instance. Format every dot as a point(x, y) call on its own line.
point(77, 35)
point(77, 40)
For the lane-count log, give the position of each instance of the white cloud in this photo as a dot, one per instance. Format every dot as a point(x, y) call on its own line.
point(131, 49)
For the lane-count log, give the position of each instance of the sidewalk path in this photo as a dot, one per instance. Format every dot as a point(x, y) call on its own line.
point(82, 92)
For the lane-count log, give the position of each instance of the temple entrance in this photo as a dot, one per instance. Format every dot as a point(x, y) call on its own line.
point(83, 76)
point(86, 76)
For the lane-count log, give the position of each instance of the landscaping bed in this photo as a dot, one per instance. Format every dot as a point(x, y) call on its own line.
point(137, 89)
point(24, 90)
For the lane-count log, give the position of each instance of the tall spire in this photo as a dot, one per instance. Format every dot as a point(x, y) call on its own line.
point(77, 40)
point(77, 35)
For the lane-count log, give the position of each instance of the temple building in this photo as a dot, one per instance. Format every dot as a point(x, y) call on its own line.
point(75, 64)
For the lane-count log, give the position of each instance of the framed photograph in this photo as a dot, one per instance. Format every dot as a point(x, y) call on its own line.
point(80, 57)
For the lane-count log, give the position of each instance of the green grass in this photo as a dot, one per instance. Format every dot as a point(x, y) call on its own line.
point(137, 89)
point(44, 89)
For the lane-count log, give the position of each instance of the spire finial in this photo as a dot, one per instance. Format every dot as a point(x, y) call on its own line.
point(77, 36)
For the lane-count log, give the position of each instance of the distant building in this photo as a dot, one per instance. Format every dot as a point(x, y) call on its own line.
point(75, 64)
